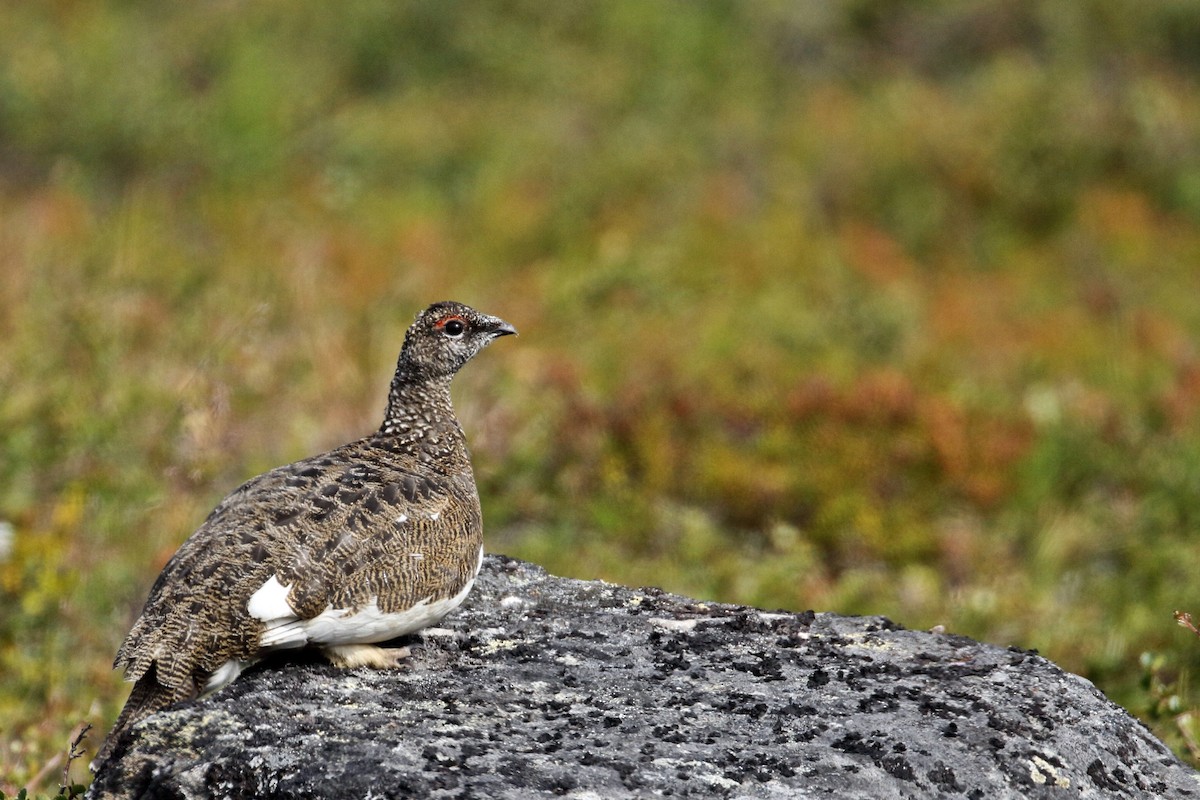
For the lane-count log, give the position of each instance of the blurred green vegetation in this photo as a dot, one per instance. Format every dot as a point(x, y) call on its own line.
point(862, 306)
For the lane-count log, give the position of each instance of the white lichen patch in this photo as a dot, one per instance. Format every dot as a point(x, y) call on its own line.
point(701, 769)
point(490, 632)
point(634, 601)
point(868, 641)
point(673, 624)
point(498, 645)
point(719, 780)
point(438, 633)
point(1042, 772)
point(578, 702)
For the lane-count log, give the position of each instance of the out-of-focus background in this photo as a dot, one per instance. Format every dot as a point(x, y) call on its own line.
point(862, 306)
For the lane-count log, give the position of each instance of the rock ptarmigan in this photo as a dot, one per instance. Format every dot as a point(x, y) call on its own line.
point(373, 540)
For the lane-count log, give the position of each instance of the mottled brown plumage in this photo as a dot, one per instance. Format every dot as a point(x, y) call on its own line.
point(371, 540)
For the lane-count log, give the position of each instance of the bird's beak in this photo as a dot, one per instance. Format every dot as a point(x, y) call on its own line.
point(502, 328)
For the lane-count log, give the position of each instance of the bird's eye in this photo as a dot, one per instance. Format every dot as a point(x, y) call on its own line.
point(454, 328)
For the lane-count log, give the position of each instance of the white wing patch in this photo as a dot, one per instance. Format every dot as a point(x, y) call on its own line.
point(338, 626)
point(226, 674)
point(270, 603)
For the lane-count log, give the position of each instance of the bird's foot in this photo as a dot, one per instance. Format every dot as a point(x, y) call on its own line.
point(349, 656)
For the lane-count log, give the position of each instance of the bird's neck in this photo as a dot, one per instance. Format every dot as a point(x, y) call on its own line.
point(420, 421)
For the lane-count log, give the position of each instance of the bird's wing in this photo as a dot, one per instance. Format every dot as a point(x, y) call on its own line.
point(374, 544)
point(332, 529)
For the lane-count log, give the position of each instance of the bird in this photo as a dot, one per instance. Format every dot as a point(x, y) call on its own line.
point(368, 542)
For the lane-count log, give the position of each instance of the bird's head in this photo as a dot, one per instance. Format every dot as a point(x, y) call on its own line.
point(447, 335)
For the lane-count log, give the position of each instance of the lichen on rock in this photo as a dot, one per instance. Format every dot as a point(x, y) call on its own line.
point(542, 686)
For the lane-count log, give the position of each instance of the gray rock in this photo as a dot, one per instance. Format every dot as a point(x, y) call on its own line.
point(542, 686)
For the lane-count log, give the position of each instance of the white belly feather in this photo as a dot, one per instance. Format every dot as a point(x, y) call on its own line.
point(338, 626)
point(333, 627)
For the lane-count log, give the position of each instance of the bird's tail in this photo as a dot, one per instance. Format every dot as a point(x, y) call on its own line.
point(148, 696)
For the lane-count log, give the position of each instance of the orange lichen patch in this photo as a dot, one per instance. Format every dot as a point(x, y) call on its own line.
point(881, 433)
point(811, 397)
point(881, 397)
point(946, 427)
point(1159, 336)
point(1180, 401)
point(58, 213)
point(833, 110)
point(977, 452)
point(874, 254)
point(422, 241)
point(727, 195)
point(884, 397)
point(972, 311)
point(1118, 214)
